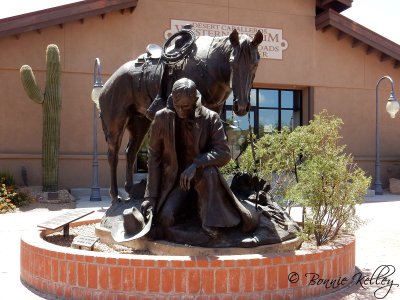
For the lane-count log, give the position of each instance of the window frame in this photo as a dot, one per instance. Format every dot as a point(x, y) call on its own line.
point(297, 107)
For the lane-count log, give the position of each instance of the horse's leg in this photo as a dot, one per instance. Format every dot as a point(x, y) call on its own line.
point(138, 127)
point(114, 138)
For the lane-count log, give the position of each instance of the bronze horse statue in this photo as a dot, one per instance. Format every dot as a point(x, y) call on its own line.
point(218, 65)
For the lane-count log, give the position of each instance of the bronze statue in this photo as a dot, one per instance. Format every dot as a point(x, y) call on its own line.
point(214, 64)
point(187, 145)
point(186, 199)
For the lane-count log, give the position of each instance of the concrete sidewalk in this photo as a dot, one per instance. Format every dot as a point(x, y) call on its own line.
point(12, 225)
point(377, 244)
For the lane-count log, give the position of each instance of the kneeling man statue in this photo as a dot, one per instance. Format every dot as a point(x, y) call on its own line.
point(184, 187)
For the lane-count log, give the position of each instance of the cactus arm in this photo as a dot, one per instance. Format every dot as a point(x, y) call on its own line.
point(29, 83)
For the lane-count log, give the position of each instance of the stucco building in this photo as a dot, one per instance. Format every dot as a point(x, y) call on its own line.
point(312, 58)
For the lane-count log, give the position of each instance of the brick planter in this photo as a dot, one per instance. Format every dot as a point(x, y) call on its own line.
point(80, 274)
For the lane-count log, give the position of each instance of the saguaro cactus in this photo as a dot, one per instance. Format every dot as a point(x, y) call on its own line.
point(51, 103)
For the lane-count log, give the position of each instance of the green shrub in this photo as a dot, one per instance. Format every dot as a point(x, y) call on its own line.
point(309, 167)
point(10, 199)
point(7, 178)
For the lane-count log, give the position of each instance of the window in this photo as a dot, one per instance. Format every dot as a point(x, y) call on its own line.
point(270, 109)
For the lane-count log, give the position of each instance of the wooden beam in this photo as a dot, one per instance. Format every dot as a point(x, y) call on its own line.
point(369, 50)
point(396, 64)
point(355, 43)
point(39, 31)
point(325, 29)
point(82, 21)
point(340, 35)
point(384, 57)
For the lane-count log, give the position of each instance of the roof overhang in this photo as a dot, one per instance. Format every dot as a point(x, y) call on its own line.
point(61, 14)
point(359, 34)
point(337, 5)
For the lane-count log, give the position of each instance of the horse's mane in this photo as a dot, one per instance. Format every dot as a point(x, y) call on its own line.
point(223, 45)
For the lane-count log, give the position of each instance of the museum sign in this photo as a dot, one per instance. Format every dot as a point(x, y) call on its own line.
point(272, 46)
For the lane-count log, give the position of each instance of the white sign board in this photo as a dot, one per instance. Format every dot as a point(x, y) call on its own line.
point(271, 47)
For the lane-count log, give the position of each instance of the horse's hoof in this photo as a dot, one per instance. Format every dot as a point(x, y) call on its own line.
point(116, 200)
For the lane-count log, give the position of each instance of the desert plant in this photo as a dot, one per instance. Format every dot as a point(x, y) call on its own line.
point(6, 178)
point(6, 204)
point(51, 103)
point(317, 174)
point(10, 199)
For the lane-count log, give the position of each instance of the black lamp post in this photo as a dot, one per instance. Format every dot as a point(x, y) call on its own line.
point(392, 107)
point(97, 86)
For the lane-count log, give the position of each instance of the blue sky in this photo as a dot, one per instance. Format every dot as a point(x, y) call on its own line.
point(383, 18)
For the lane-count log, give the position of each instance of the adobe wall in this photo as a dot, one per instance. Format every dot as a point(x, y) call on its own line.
point(342, 79)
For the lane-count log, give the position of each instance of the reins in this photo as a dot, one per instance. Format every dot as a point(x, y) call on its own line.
point(255, 169)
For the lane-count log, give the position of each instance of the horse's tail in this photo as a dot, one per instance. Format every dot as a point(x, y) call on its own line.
point(95, 99)
point(105, 128)
point(103, 123)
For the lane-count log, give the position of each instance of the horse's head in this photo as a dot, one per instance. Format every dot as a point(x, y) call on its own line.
point(244, 61)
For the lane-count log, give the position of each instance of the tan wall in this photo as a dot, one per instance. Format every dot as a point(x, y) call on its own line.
point(346, 88)
point(342, 78)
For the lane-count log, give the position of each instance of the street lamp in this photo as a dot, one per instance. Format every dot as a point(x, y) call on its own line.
point(97, 86)
point(392, 107)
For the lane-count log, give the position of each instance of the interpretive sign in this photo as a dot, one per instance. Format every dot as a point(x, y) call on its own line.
point(64, 220)
point(84, 241)
point(271, 47)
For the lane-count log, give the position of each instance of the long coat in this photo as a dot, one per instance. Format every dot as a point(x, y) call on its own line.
point(211, 149)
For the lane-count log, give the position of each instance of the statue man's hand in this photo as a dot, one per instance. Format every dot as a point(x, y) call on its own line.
point(187, 176)
point(147, 205)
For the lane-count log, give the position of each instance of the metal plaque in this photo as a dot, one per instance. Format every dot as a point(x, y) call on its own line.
point(85, 241)
point(65, 219)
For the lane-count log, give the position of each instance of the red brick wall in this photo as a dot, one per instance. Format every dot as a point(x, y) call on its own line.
point(80, 274)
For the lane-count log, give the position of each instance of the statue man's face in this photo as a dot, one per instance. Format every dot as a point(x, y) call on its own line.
point(185, 105)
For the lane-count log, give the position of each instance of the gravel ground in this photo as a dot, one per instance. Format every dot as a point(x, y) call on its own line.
point(57, 238)
point(41, 202)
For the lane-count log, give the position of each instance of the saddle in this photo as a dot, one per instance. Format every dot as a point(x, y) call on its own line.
point(168, 59)
point(174, 50)
point(153, 52)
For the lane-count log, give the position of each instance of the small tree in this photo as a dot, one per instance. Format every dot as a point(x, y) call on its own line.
point(317, 174)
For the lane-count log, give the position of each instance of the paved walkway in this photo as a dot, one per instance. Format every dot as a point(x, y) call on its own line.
point(378, 244)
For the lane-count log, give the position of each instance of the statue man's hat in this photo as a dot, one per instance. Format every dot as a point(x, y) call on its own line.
point(133, 226)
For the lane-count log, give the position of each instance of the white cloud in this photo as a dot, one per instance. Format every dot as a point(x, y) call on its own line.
point(380, 16)
point(18, 7)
